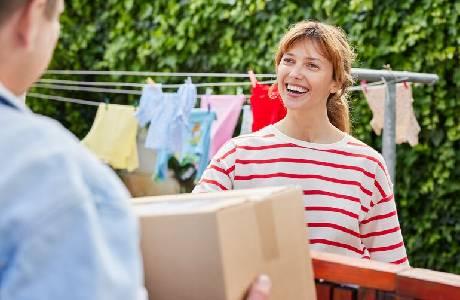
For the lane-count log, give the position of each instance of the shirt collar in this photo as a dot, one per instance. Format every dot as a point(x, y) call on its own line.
point(12, 99)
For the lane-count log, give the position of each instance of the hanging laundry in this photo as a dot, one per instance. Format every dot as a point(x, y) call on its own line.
point(168, 117)
point(199, 140)
point(168, 113)
point(267, 106)
point(227, 109)
point(113, 136)
point(181, 125)
point(246, 122)
point(407, 127)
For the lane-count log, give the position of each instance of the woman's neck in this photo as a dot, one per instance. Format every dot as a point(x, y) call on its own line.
point(314, 128)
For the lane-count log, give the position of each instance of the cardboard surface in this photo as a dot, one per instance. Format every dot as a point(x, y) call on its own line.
point(212, 246)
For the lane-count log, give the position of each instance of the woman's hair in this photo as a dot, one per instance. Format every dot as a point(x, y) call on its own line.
point(334, 45)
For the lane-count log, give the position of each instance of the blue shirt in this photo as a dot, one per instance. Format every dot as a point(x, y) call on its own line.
point(66, 228)
point(168, 115)
point(199, 139)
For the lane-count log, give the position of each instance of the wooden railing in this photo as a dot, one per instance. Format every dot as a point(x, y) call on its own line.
point(342, 278)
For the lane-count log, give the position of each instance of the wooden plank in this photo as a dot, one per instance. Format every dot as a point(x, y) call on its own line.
point(362, 272)
point(323, 291)
point(398, 297)
point(367, 294)
point(428, 284)
point(339, 293)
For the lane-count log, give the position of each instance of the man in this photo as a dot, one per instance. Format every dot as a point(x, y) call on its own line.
point(66, 229)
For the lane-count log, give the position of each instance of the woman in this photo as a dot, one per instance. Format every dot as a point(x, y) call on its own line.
point(348, 195)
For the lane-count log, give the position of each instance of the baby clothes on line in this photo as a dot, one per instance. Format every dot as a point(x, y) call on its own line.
point(181, 124)
point(227, 109)
point(168, 117)
point(267, 106)
point(198, 140)
point(246, 122)
point(407, 127)
point(112, 136)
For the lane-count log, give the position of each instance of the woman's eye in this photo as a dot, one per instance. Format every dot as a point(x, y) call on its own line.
point(288, 60)
point(313, 66)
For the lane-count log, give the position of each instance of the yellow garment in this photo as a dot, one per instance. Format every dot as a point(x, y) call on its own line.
point(113, 136)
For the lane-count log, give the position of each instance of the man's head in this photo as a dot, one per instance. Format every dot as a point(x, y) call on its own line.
point(29, 30)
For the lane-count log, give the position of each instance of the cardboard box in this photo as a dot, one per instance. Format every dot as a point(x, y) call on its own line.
point(212, 246)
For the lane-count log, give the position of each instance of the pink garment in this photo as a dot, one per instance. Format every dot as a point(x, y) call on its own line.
point(407, 127)
point(227, 109)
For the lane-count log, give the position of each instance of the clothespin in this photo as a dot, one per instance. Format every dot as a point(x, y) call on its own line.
point(252, 78)
point(150, 81)
point(406, 85)
point(106, 100)
point(209, 107)
point(239, 90)
point(188, 80)
point(364, 85)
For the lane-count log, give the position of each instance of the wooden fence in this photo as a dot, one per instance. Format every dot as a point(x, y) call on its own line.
point(342, 278)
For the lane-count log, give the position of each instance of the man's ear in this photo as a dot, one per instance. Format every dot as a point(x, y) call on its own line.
point(28, 24)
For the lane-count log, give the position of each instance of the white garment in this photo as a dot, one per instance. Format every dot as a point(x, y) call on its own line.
point(246, 123)
point(407, 127)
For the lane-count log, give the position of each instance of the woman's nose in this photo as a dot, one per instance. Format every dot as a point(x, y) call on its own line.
point(296, 72)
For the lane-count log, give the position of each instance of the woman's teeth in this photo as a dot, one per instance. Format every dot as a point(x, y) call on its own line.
point(296, 89)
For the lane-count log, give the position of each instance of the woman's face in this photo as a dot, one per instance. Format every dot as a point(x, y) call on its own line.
point(304, 77)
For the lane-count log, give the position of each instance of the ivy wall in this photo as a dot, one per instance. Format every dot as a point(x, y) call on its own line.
point(234, 36)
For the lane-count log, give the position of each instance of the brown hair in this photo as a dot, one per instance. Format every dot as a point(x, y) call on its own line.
point(334, 45)
point(8, 7)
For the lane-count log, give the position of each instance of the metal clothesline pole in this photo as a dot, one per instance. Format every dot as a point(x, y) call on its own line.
point(389, 125)
point(359, 73)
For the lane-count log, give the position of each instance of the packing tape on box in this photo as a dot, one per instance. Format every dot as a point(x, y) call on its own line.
point(267, 230)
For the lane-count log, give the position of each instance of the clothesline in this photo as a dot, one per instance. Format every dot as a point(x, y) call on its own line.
point(72, 100)
point(133, 84)
point(50, 83)
point(162, 74)
point(370, 75)
point(62, 99)
point(73, 86)
point(134, 92)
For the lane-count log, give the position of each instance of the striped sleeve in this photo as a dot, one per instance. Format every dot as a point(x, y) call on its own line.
point(380, 230)
point(220, 172)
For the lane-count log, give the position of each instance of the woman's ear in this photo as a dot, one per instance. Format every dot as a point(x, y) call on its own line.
point(335, 87)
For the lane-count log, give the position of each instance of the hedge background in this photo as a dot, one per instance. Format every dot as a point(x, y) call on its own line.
point(234, 36)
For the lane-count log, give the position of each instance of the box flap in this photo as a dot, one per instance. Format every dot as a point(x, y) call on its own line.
point(189, 205)
point(253, 193)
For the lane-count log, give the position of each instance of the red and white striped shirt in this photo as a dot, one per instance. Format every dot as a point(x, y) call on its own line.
point(348, 195)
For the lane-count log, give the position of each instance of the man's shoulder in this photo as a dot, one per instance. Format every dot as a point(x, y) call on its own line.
point(36, 143)
point(29, 131)
point(44, 164)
